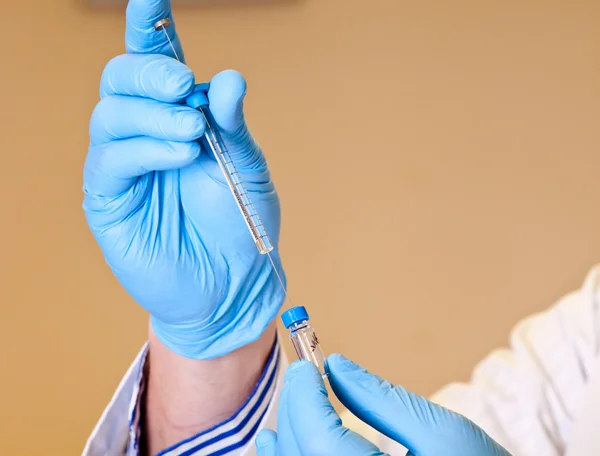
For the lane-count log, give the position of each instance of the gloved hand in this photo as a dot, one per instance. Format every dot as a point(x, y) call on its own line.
point(308, 425)
point(159, 207)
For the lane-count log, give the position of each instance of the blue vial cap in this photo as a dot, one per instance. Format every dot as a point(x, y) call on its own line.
point(294, 315)
point(199, 97)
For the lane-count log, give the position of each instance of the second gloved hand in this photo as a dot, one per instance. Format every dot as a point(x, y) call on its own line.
point(158, 204)
point(308, 425)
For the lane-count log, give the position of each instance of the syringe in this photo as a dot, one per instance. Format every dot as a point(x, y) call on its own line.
point(213, 140)
point(302, 335)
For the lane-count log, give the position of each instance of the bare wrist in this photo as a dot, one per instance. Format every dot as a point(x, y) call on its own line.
point(185, 396)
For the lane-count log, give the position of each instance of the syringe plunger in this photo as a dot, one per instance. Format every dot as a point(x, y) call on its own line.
point(162, 24)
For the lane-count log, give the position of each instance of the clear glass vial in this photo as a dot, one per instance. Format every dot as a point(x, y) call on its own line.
point(303, 337)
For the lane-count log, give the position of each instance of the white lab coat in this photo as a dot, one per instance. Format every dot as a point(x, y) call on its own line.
point(539, 397)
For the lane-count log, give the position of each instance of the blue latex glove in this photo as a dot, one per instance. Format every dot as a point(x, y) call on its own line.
point(158, 205)
point(308, 424)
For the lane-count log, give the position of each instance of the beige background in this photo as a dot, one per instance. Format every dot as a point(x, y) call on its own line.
point(437, 165)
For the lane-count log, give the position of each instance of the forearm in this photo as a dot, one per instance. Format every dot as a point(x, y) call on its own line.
point(186, 396)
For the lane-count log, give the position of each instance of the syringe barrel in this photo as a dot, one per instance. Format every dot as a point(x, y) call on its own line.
point(215, 143)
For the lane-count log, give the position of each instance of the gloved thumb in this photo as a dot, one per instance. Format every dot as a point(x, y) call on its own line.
point(423, 427)
point(226, 94)
point(314, 423)
point(266, 443)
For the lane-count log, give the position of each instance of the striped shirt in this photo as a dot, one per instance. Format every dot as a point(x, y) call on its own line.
point(226, 438)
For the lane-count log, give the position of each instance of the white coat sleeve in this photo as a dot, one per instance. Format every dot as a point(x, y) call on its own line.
point(526, 396)
point(111, 435)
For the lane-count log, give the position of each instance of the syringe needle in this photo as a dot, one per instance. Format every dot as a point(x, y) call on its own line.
point(285, 293)
point(163, 24)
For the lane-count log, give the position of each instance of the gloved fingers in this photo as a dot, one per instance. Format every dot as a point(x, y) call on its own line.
point(400, 414)
point(266, 443)
point(140, 35)
point(112, 168)
point(315, 424)
point(119, 117)
point(226, 94)
point(418, 424)
point(149, 76)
